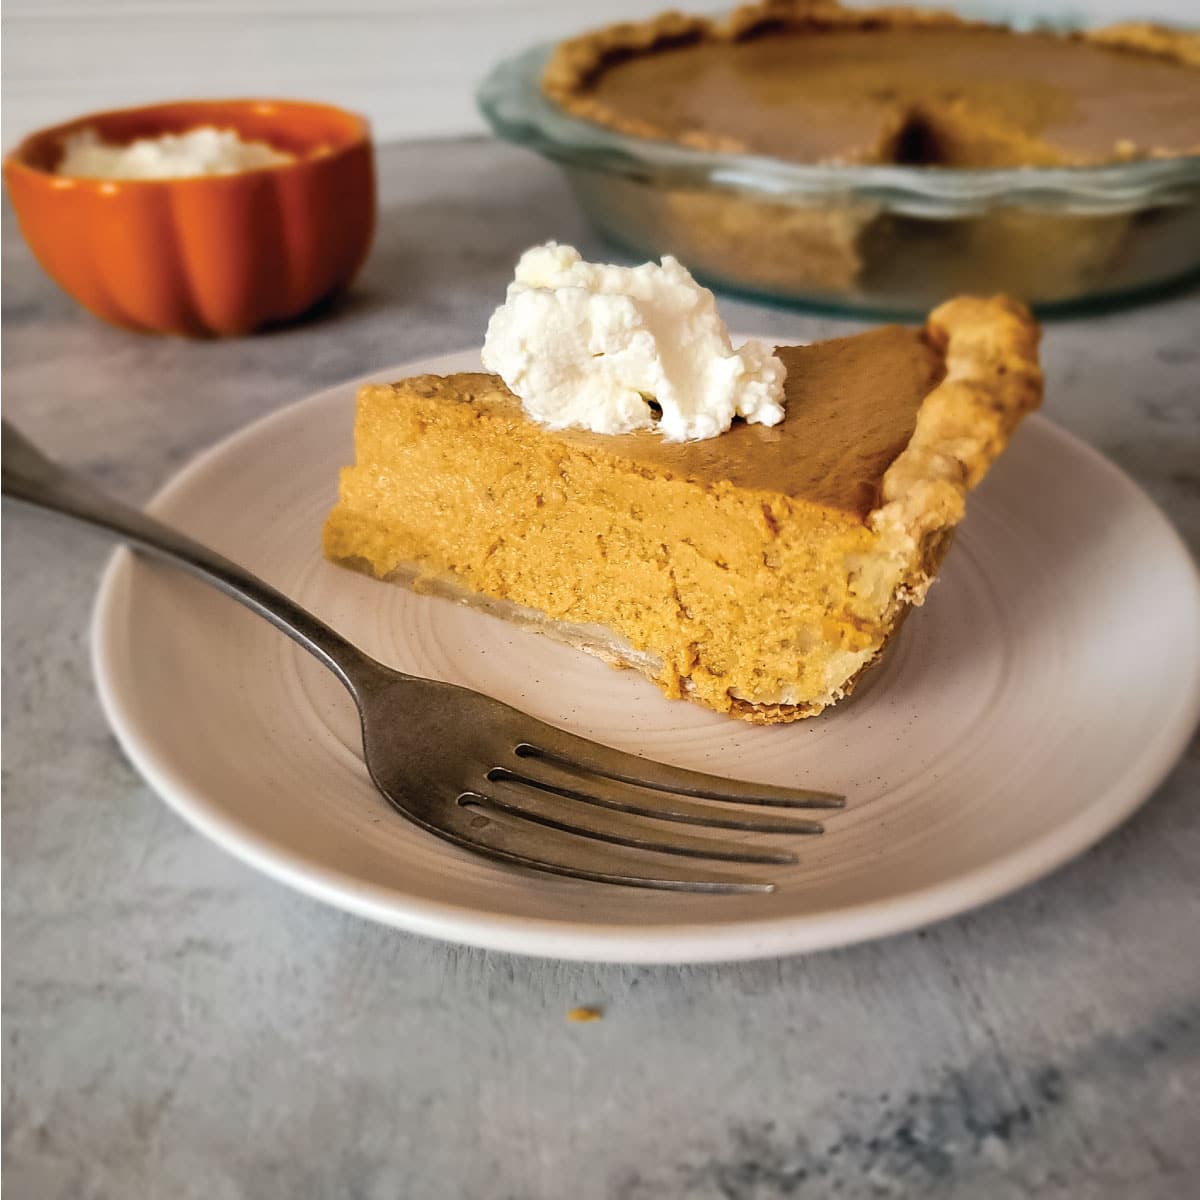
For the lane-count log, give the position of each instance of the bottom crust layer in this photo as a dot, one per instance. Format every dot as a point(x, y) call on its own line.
point(603, 643)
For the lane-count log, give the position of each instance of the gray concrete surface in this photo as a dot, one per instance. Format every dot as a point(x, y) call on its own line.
point(176, 1026)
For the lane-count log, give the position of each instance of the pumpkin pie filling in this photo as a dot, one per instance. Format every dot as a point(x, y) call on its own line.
point(814, 83)
point(757, 573)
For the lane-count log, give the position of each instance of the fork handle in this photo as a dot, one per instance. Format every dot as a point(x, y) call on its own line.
point(31, 477)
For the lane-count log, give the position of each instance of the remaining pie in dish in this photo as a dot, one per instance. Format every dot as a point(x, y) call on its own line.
point(759, 572)
point(817, 89)
point(812, 82)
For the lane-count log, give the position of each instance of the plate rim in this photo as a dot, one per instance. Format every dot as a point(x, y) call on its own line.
point(664, 943)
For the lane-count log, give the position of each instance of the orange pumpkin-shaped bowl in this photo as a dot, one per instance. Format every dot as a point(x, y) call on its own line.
point(213, 254)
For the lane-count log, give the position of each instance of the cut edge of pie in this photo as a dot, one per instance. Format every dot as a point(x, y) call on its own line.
point(873, 566)
point(576, 62)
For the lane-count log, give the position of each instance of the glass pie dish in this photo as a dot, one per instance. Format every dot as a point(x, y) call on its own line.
point(872, 239)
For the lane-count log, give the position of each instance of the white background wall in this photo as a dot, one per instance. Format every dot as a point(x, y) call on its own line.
point(411, 65)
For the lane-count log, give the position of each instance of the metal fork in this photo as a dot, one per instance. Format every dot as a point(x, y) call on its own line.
point(468, 768)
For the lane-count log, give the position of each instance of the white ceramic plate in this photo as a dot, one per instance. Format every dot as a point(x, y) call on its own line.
point(1044, 691)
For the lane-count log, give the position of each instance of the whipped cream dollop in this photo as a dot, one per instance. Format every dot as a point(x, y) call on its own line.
point(204, 150)
point(613, 349)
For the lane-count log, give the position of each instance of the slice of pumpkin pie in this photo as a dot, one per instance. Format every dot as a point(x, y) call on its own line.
point(757, 572)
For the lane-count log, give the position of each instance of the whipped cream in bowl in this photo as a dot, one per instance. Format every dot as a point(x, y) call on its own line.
point(204, 150)
point(616, 349)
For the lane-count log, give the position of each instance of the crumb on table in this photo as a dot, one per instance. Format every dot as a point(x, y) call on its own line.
point(585, 1012)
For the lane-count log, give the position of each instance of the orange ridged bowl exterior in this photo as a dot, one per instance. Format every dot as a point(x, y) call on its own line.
point(214, 255)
